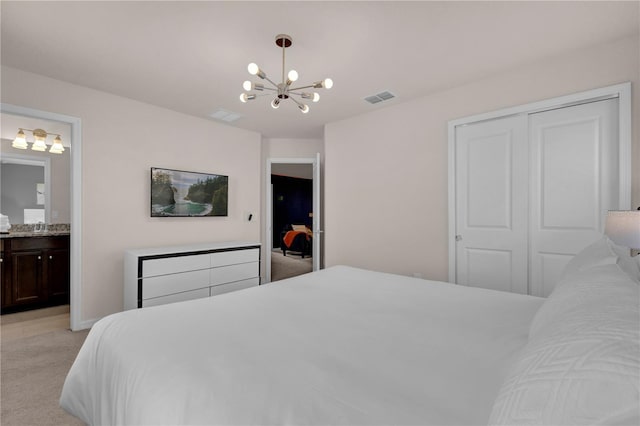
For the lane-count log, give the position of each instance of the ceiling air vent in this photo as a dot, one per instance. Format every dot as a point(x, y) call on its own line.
point(224, 115)
point(379, 97)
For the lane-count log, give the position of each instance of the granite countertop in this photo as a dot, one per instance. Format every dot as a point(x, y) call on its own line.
point(28, 231)
point(33, 234)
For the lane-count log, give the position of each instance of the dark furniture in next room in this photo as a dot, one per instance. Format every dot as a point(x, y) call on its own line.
point(296, 238)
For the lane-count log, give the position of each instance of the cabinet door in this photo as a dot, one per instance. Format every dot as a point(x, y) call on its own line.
point(57, 275)
point(5, 275)
point(26, 277)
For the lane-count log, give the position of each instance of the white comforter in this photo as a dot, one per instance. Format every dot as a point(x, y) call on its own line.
point(340, 346)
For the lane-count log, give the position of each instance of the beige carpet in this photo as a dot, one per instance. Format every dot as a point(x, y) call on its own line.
point(37, 352)
point(288, 266)
point(33, 370)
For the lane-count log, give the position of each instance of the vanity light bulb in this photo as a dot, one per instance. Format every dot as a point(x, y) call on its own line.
point(20, 141)
point(57, 147)
point(39, 144)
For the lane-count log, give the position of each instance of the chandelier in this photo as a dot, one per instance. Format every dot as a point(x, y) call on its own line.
point(39, 143)
point(283, 90)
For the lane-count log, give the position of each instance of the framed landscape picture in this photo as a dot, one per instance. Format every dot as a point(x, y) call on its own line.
point(176, 193)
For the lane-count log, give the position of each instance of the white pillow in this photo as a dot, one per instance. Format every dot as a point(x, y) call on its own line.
point(599, 263)
point(607, 278)
point(582, 364)
point(600, 253)
point(627, 263)
point(597, 254)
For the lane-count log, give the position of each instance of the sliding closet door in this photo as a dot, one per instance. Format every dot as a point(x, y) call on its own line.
point(491, 204)
point(574, 181)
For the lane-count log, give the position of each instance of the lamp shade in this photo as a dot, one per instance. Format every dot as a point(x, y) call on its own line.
point(57, 147)
point(20, 141)
point(623, 228)
point(39, 144)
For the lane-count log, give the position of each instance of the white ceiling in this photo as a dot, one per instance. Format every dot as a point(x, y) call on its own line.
point(192, 56)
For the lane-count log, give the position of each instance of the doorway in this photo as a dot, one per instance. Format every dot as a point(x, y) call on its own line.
point(307, 214)
point(75, 207)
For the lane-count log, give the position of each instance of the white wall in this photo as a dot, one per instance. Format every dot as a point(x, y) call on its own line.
point(121, 140)
point(386, 171)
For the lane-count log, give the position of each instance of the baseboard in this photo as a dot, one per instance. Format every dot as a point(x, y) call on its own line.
point(86, 324)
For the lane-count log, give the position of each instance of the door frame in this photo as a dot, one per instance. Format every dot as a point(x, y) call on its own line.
point(317, 231)
point(75, 287)
point(621, 91)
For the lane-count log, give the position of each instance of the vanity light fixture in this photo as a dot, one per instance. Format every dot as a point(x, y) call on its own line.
point(283, 90)
point(39, 141)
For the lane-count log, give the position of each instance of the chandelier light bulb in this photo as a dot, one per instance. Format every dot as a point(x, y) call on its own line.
point(20, 141)
point(293, 75)
point(304, 108)
point(253, 68)
point(275, 104)
point(327, 83)
point(247, 85)
point(315, 97)
point(247, 97)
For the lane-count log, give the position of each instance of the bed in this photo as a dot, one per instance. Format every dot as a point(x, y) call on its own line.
point(351, 346)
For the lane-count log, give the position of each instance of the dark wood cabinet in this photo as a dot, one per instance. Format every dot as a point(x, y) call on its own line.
point(57, 275)
point(35, 272)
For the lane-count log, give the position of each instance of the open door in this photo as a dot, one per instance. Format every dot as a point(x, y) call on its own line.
point(317, 232)
point(313, 163)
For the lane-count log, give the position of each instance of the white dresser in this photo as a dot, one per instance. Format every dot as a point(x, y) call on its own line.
point(159, 275)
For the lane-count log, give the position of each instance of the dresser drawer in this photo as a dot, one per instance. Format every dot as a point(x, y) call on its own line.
point(238, 285)
point(172, 265)
point(234, 257)
point(231, 273)
point(159, 275)
point(177, 297)
point(174, 283)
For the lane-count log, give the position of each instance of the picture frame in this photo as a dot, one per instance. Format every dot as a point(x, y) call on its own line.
point(179, 193)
